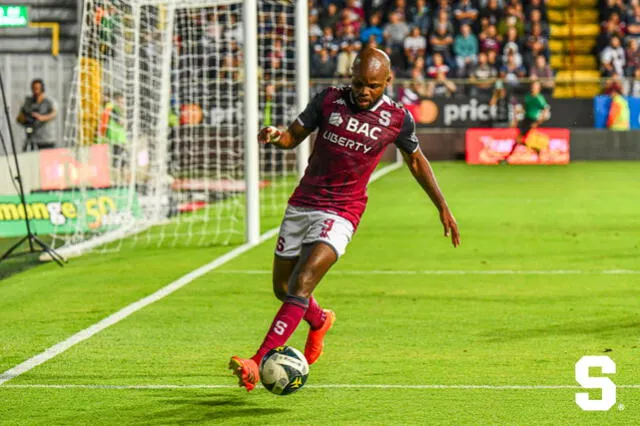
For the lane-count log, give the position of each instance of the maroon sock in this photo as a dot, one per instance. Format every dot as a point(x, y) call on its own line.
point(315, 316)
point(283, 325)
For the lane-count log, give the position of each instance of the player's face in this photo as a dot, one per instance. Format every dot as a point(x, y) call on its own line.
point(368, 86)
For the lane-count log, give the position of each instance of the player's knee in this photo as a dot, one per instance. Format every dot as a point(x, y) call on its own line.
point(305, 283)
point(280, 291)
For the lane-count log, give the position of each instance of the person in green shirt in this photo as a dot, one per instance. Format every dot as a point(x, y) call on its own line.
point(536, 112)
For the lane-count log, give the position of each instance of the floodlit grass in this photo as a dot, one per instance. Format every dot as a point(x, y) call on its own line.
point(537, 283)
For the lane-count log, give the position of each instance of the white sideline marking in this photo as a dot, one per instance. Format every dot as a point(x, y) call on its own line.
point(455, 272)
point(116, 317)
point(310, 386)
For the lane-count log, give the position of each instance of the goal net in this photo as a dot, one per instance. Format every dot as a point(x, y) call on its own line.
point(159, 128)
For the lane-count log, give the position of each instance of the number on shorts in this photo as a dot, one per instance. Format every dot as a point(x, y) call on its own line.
point(326, 227)
point(280, 245)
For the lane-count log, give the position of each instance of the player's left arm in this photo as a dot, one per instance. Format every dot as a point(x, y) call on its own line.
point(421, 170)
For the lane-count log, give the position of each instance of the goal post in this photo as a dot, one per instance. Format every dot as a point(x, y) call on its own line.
point(167, 102)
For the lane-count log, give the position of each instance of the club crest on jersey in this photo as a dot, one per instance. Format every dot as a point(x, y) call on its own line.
point(335, 119)
point(340, 101)
point(372, 132)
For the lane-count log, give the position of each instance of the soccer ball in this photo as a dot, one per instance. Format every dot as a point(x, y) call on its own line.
point(284, 370)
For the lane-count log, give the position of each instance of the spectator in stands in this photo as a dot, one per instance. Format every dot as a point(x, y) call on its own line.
point(441, 41)
point(510, 21)
point(511, 72)
point(612, 58)
point(396, 31)
point(439, 85)
point(619, 25)
point(632, 57)
point(465, 48)
point(444, 5)
point(415, 46)
point(604, 38)
point(537, 44)
point(328, 42)
point(357, 11)
point(536, 5)
point(536, 18)
point(492, 12)
point(482, 77)
point(514, 8)
point(314, 28)
point(419, 16)
point(542, 71)
point(373, 29)
point(417, 90)
point(514, 44)
point(489, 40)
point(610, 7)
point(632, 85)
point(465, 13)
point(371, 7)
point(36, 115)
point(438, 66)
point(494, 60)
point(400, 7)
point(323, 65)
point(443, 18)
point(633, 29)
point(347, 22)
point(329, 17)
point(349, 48)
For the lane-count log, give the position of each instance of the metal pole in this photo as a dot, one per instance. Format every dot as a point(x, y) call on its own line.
point(250, 17)
point(302, 75)
point(18, 176)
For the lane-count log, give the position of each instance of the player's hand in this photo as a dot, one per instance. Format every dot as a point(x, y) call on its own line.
point(269, 135)
point(450, 226)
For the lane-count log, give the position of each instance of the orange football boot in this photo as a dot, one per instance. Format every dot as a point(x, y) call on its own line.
point(246, 370)
point(315, 338)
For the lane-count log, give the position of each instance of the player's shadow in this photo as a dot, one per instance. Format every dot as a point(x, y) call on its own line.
point(209, 406)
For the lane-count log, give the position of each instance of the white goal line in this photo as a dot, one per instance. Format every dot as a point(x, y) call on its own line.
point(310, 386)
point(451, 272)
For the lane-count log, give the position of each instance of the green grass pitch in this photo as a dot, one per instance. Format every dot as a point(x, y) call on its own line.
point(538, 282)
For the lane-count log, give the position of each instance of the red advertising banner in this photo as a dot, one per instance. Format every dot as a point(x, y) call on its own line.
point(62, 168)
point(542, 146)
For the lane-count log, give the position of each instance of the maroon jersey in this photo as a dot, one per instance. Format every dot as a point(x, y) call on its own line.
point(348, 147)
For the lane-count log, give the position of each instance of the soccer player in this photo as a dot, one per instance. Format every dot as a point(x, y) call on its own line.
point(355, 125)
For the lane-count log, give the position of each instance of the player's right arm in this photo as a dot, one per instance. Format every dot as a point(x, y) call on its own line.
point(288, 139)
point(303, 126)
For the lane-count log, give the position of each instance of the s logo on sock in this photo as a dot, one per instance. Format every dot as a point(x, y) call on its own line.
point(279, 327)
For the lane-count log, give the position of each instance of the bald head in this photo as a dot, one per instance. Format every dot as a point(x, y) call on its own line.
point(371, 61)
point(371, 74)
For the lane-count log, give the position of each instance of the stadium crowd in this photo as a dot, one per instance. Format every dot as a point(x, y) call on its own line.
point(435, 42)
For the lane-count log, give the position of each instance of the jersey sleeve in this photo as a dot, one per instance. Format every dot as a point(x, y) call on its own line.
point(311, 116)
point(407, 140)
